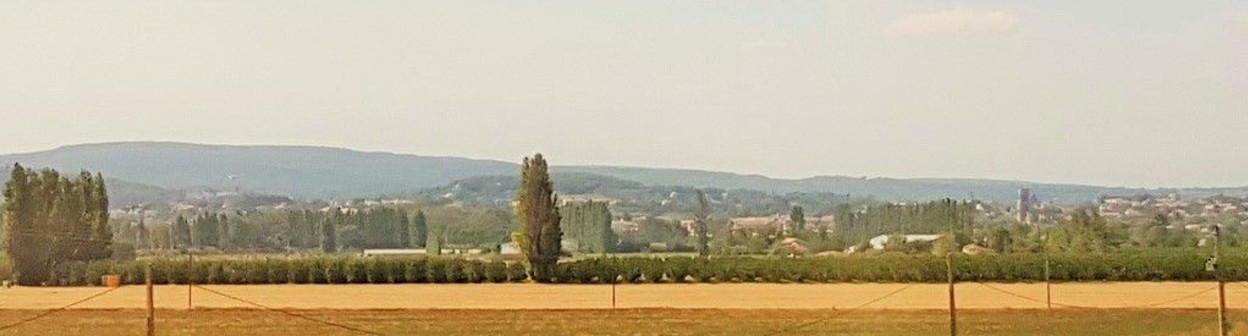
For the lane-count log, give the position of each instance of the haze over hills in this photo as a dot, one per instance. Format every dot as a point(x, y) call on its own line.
point(302, 172)
point(322, 172)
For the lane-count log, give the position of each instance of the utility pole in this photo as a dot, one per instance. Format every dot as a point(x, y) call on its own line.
point(953, 308)
point(151, 304)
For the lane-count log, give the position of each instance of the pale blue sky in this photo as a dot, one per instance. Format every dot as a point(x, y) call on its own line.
point(1136, 93)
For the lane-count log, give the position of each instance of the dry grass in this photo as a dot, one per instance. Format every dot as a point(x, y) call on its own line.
point(694, 309)
point(683, 296)
point(217, 322)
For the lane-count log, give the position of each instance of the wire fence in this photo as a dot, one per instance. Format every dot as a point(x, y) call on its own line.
point(291, 313)
point(897, 293)
point(842, 312)
point(1068, 305)
point(55, 310)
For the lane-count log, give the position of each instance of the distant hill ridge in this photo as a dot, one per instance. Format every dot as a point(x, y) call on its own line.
point(325, 172)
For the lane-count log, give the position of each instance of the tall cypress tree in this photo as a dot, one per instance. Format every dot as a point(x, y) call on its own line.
point(329, 239)
point(538, 235)
point(21, 241)
point(142, 239)
point(223, 231)
point(181, 232)
point(420, 230)
point(700, 225)
point(405, 229)
point(102, 236)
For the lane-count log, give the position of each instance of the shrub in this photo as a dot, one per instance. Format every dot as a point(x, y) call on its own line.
point(496, 271)
point(454, 271)
point(415, 271)
point(516, 272)
point(436, 270)
point(298, 270)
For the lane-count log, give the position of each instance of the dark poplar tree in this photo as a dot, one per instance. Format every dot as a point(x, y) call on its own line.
point(700, 225)
point(102, 237)
point(589, 224)
point(49, 222)
point(142, 238)
point(329, 239)
point(223, 231)
point(181, 232)
point(21, 242)
point(537, 208)
point(405, 230)
point(207, 232)
point(420, 230)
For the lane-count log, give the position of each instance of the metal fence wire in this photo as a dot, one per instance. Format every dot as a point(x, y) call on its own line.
point(291, 313)
point(57, 309)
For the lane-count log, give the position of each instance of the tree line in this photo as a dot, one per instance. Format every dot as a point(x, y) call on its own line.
point(589, 224)
point(51, 220)
point(273, 230)
point(947, 216)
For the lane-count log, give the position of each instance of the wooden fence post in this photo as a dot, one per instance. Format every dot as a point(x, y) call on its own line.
point(151, 304)
point(953, 307)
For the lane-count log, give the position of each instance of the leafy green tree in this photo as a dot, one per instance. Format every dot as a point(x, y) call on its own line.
point(798, 217)
point(436, 241)
point(538, 235)
point(1085, 232)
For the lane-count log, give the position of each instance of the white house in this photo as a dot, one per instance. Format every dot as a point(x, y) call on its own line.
point(879, 241)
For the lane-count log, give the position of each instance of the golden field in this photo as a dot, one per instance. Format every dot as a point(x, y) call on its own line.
point(667, 309)
point(242, 322)
point(679, 296)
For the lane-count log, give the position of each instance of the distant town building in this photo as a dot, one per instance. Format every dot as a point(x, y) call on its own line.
point(1025, 200)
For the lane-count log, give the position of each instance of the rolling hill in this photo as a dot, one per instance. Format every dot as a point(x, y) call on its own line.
point(302, 172)
point(322, 172)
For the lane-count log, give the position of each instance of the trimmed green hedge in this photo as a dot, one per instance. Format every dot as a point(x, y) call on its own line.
point(1162, 265)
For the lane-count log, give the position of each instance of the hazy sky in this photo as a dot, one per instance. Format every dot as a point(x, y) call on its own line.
point(1137, 93)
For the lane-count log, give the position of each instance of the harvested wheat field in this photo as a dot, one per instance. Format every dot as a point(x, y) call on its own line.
point(242, 322)
point(1175, 295)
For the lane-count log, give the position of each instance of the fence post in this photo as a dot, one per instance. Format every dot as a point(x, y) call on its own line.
point(1048, 286)
point(953, 308)
point(1217, 273)
point(151, 305)
point(190, 278)
point(1223, 328)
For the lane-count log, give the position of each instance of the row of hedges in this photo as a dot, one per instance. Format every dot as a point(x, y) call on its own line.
point(313, 270)
point(1182, 265)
